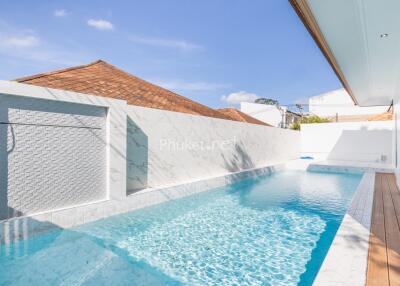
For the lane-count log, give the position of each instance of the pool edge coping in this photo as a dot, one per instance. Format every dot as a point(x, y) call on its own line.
point(347, 258)
point(25, 226)
point(22, 227)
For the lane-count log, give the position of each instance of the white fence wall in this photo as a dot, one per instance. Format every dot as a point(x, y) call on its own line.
point(179, 147)
point(143, 148)
point(371, 141)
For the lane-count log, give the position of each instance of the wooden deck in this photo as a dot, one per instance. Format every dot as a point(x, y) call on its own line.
point(384, 242)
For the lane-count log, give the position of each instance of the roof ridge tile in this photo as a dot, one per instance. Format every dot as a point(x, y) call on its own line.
point(104, 79)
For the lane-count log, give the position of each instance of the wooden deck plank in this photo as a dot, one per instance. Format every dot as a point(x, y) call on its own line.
point(395, 197)
point(392, 210)
point(377, 272)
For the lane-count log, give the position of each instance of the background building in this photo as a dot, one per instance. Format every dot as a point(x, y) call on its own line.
point(277, 116)
point(337, 105)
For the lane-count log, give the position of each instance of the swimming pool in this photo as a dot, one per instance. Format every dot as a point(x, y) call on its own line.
point(269, 230)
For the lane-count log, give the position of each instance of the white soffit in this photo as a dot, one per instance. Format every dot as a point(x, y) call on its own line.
point(355, 31)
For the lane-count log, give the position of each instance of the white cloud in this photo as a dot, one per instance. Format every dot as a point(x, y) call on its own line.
point(21, 41)
point(100, 24)
point(238, 97)
point(166, 43)
point(190, 86)
point(27, 47)
point(60, 13)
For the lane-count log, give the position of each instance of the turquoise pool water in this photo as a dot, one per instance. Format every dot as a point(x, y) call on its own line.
point(272, 230)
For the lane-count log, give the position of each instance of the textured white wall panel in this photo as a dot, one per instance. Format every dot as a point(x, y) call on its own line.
point(55, 155)
point(45, 112)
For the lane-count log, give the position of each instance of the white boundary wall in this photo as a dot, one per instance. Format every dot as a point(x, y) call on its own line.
point(182, 147)
point(148, 144)
point(370, 141)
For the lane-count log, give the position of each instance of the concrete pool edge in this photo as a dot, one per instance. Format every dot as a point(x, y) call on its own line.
point(346, 261)
point(25, 226)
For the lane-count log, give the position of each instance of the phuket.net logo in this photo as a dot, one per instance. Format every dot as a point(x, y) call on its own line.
point(199, 145)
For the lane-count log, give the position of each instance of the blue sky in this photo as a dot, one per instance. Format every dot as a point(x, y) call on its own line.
point(214, 52)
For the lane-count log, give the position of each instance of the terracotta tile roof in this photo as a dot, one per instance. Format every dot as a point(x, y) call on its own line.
point(103, 79)
point(237, 115)
point(366, 117)
point(381, 117)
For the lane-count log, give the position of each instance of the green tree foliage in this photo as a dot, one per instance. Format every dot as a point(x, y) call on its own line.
point(299, 107)
point(308, 120)
point(267, 101)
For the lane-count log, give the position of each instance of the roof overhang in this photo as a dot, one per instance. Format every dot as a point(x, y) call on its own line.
point(360, 41)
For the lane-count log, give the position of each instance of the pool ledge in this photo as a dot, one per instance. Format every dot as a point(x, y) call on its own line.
point(26, 226)
point(346, 261)
point(349, 167)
